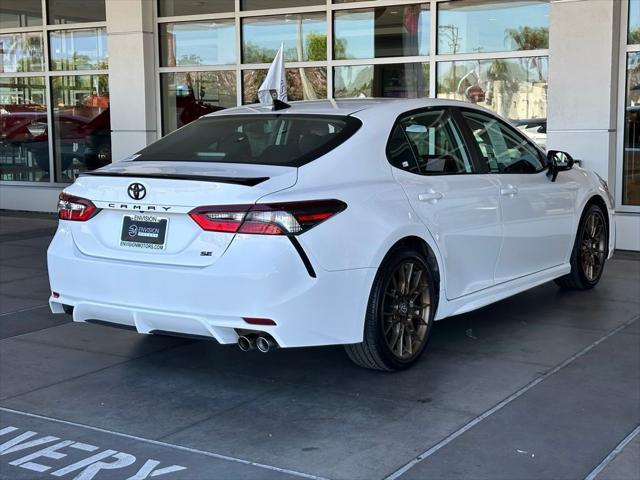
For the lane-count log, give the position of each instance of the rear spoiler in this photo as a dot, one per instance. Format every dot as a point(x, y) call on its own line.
point(246, 181)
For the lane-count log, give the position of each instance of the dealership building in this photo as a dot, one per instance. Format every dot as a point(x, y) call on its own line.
point(87, 82)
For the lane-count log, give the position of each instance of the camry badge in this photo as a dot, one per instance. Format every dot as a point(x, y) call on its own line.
point(137, 191)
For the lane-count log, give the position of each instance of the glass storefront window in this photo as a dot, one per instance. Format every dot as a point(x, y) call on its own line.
point(186, 96)
point(84, 49)
point(171, 8)
point(472, 26)
point(515, 88)
point(198, 43)
point(631, 158)
point(72, 11)
point(304, 36)
point(401, 80)
point(81, 124)
point(305, 83)
point(264, 4)
point(20, 13)
point(24, 151)
point(633, 34)
point(21, 52)
point(395, 31)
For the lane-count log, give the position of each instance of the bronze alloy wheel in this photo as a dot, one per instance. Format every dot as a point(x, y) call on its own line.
point(406, 309)
point(593, 247)
point(400, 311)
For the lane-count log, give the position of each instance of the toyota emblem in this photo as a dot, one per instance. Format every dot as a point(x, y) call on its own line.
point(137, 191)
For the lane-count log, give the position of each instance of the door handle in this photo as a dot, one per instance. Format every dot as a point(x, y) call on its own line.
point(431, 196)
point(509, 190)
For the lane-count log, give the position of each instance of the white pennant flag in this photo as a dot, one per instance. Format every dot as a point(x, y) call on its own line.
point(275, 80)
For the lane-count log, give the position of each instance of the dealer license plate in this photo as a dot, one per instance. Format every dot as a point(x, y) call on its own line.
point(144, 231)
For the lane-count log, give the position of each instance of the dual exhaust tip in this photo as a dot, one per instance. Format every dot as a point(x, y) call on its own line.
point(264, 343)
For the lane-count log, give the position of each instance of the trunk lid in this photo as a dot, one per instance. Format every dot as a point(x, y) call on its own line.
point(170, 191)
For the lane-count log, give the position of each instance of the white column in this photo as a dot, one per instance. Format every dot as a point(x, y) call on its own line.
point(584, 47)
point(583, 72)
point(131, 75)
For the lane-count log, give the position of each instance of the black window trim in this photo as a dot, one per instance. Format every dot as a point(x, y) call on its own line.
point(476, 148)
point(476, 166)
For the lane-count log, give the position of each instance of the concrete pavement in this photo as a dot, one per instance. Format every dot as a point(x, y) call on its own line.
point(543, 385)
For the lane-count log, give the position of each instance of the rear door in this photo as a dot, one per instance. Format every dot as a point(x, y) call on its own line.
point(537, 213)
point(459, 206)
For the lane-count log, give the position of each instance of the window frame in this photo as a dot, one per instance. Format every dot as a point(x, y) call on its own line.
point(455, 120)
point(45, 28)
point(478, 152)
point(625, 49)
point(329, 8)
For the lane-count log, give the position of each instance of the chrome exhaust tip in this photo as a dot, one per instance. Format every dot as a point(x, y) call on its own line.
point(265, 344)
point(246, 343)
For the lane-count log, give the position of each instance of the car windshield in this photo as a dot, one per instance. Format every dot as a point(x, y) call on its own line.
point(277, 139)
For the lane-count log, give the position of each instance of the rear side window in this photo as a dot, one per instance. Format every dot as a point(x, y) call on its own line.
point(399, 151)
point(428, 143)
point(278, 139)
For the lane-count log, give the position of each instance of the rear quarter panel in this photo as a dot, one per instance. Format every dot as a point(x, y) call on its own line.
point(378, 213)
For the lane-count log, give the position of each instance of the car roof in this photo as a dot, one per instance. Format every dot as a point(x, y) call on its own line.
point(345, 106)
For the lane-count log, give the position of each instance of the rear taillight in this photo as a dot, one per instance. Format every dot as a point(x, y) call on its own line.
point(75, 208)
point(292, 218)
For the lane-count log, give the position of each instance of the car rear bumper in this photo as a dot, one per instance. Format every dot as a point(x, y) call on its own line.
point(257, 277)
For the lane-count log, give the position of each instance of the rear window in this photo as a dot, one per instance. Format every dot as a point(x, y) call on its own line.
point(278, 139)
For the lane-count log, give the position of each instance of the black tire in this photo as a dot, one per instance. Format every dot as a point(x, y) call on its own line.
point(375, 352)
point(584, 249)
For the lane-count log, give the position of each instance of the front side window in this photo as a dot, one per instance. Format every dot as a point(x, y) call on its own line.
point(436, 144)
point(278, 139)
point(502, 149)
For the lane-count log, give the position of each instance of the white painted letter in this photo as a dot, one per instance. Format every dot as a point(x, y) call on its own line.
point(83, 463)
point(148, 468)
point(47, 452)
point(8, 430)
point(123, 460)
point(14, 444)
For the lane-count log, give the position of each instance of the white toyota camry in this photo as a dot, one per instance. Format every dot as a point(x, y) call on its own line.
point(354, 222)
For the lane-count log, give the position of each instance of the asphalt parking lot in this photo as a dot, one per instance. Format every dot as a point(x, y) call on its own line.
point(544, 385)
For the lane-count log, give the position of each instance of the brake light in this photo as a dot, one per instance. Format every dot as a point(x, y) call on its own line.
point(292, 218)
point(74, 208)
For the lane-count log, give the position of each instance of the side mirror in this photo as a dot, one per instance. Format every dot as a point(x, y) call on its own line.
point(558, 162)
